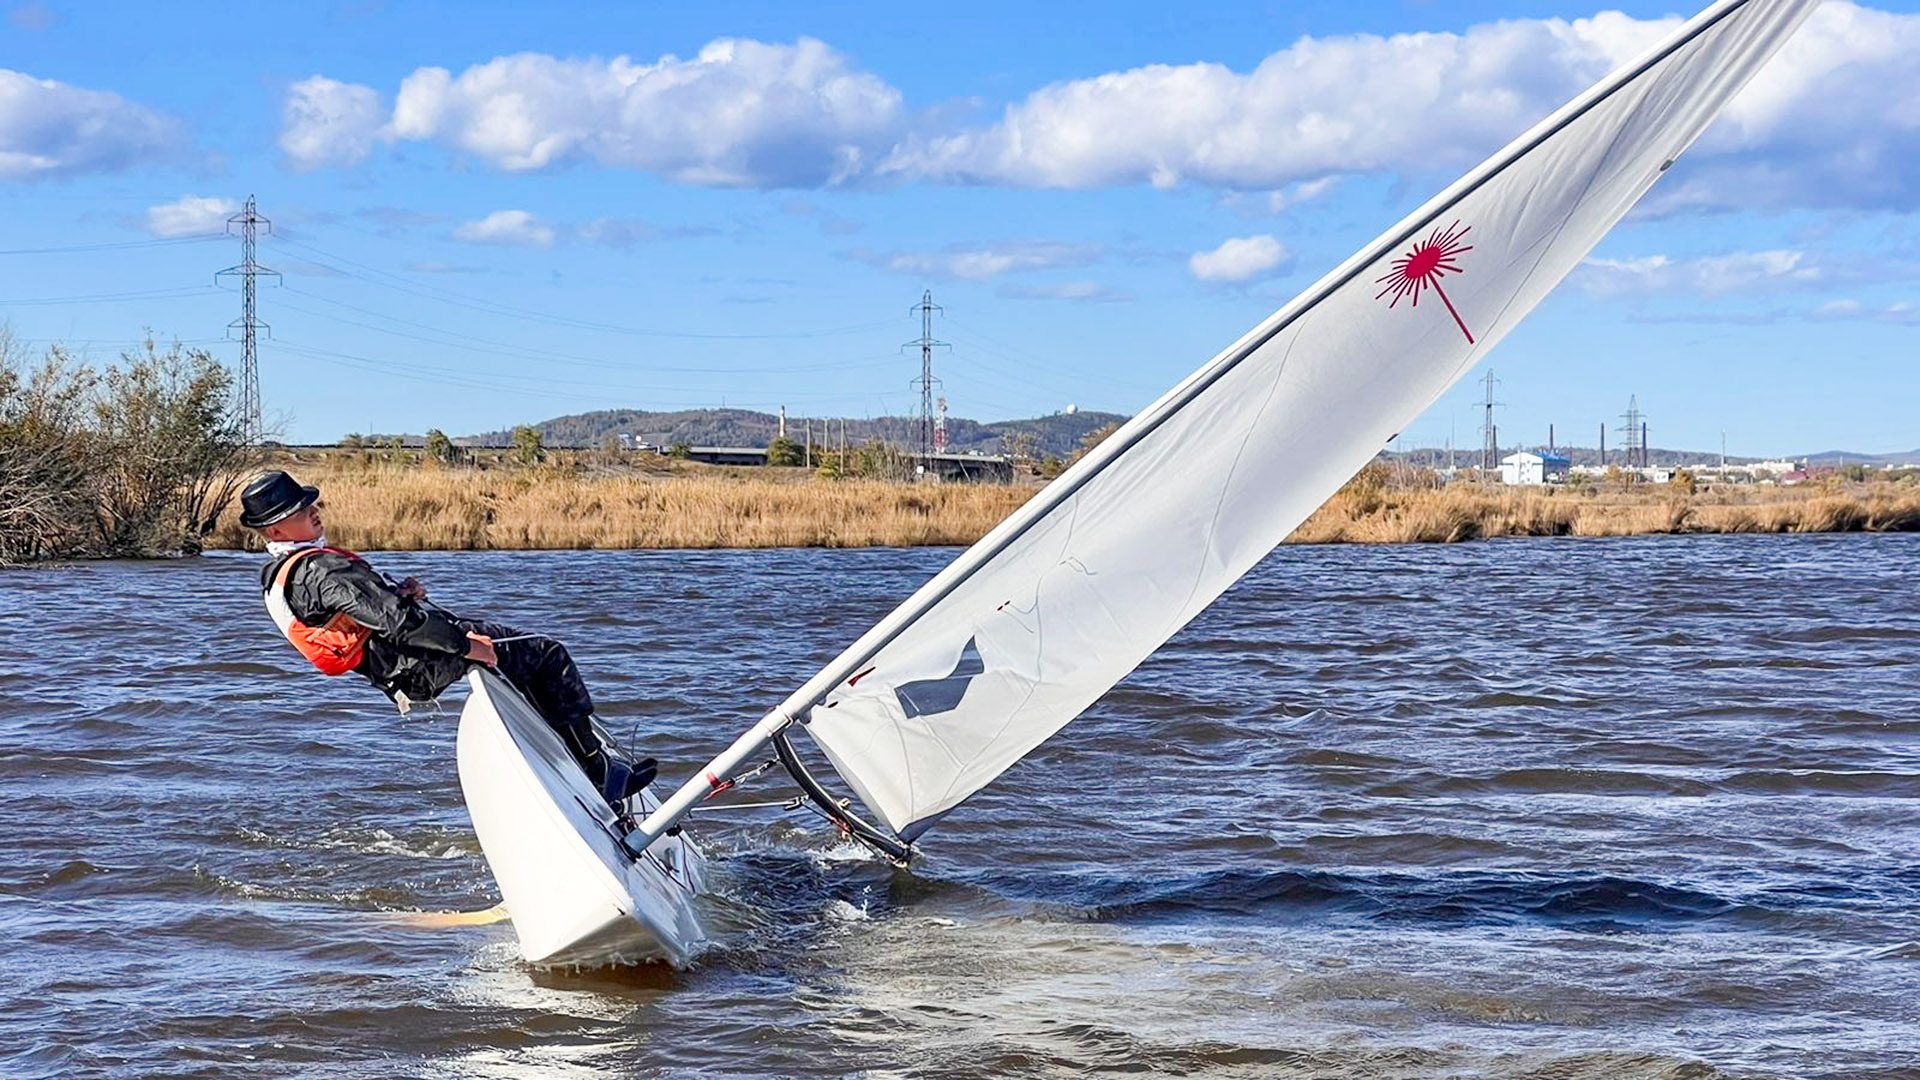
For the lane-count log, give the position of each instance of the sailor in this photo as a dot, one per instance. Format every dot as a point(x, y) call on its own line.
point(345, 616)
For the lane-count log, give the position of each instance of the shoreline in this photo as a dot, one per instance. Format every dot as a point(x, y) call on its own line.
point(659, 504)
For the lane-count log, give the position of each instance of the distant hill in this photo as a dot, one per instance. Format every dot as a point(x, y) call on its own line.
point(1058, 434)
point(1849, 457)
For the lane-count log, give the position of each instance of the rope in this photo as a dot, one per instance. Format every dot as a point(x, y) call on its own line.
point(787, 804)
point(735, 781)
point(428, 603)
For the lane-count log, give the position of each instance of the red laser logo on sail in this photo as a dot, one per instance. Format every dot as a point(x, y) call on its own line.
point(1423, 267)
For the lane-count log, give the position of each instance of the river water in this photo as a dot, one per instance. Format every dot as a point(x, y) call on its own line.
point(1560, 808)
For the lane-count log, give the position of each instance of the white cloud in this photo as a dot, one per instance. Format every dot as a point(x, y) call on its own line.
point(1239, 259)
point(617, 232)
point(191, 215)
point(1901, 313)
point(1305, 191)
point(1082, 292)
point(33, 17)
point(961, 263)
point(1711, 275)
point(329, 123)
point(626, 233)
point(1833, 121)
point(739, 114)
point(1279, 200)
point(1321, 106)
point(516, 228)
point(51, 129)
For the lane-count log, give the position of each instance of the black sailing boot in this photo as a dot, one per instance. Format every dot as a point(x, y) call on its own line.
point(624, 780)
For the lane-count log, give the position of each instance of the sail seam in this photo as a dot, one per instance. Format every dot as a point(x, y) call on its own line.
point(1213, 526)
point(1039, 639)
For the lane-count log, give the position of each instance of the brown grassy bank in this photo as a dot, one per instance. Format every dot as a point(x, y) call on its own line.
point(384, 505)
point(393, 507)
point(1364, 516)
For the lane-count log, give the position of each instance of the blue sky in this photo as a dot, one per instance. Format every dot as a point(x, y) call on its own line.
point(495, 213)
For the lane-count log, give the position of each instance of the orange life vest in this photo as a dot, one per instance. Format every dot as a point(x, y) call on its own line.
point(335, 648)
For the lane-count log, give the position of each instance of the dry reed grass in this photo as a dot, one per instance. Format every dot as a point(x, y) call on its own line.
point(380, 505)
point(396, 507)
point(1367, 515)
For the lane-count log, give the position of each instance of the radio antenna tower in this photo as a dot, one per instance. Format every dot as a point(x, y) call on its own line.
point(1489, 431)
point(249, 220)
point(926, 382)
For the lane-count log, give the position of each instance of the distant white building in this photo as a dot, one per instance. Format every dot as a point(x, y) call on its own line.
point(1528, 468)
point(1752, 472)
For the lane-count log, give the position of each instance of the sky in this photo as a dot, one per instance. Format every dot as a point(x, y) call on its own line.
point(487, 214)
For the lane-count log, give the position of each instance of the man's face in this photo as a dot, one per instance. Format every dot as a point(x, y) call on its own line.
point(297, 528)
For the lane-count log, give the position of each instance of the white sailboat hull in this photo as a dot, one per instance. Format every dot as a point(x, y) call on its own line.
point(575, 895)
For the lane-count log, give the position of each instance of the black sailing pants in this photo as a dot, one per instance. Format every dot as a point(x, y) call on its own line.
point(540, 668)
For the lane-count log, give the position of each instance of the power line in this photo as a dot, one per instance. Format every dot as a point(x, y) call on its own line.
point(490, 345)
point(105, 298)
point(457, 377)
point(1025, 359)
point(474, 303)
point(120, 245)
point(134, 343)
point(413, 372)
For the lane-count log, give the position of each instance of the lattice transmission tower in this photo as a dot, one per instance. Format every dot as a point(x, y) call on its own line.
point(248, 406)
point(926, 382)
point(1635, 430)
point(1489, 431)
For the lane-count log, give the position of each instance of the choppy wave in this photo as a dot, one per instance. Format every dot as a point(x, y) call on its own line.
point(1627, 809)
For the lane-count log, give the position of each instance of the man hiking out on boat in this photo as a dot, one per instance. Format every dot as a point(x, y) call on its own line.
point(345, 616)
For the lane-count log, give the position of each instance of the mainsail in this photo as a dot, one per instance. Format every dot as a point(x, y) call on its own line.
point(1046, 613)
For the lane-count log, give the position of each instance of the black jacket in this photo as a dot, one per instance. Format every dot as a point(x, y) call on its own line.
point(413, 650)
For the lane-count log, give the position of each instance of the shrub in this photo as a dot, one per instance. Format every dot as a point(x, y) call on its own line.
point(526, 446)
point(442, 449)
point(173, 453)
point(137, 461)
point(783, 451)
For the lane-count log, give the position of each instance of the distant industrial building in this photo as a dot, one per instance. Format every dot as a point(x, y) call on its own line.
point(978, 467)
point(1531, 468)
point(1652, 474)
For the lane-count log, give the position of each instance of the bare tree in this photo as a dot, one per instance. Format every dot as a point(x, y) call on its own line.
point(46, 453)
point(173, 451)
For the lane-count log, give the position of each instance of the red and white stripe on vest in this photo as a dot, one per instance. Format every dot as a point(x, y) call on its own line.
point(335, 648)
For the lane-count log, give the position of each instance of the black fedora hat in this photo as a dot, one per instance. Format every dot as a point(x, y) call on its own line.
point(274, 496)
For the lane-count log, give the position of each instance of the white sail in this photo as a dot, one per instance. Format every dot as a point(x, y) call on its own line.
point(1047, 612)
point(1050, 610)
